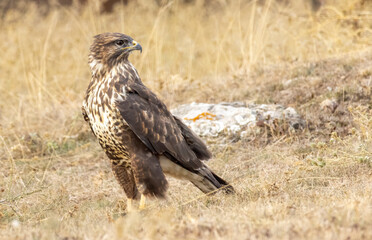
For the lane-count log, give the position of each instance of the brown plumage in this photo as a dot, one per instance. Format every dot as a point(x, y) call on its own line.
point(136, 130)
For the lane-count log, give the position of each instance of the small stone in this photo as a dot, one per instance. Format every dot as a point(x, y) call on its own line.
point(329, 104)
point(15, 223)
point(315, 81)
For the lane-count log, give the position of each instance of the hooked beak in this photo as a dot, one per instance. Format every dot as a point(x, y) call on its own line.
point(135, 46)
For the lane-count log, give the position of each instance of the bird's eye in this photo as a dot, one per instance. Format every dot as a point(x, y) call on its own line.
point(120, 42)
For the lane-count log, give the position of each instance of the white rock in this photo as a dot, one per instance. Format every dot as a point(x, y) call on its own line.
point(234, 118)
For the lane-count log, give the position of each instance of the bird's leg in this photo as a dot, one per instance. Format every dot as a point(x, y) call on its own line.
point(129, 205)
point(142, 202)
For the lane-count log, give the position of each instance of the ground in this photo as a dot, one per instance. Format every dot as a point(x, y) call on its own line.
point(315, 183)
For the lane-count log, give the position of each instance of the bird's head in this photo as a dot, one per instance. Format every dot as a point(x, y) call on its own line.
point(110, 49)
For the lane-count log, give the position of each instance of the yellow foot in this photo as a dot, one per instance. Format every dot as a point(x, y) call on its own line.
point(142, 202)
point(129, 205)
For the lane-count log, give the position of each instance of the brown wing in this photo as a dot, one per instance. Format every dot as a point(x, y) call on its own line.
point(156, 127)
point(194, 141)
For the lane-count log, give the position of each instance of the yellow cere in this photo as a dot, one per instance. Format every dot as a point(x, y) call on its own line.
point(134, 44)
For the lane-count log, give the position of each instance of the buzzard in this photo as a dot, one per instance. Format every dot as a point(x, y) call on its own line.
point(138, 133)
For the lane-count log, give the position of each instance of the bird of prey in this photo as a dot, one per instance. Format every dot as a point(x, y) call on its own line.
point(138, 133)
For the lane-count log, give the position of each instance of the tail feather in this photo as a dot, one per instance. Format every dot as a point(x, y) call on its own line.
point(225, 186)
point(204, 179)
point(208, 185)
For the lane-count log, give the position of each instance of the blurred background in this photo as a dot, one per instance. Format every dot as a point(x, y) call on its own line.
point(313, 55)
point(192, 48)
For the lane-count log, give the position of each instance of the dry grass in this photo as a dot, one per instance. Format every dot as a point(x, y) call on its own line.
point(56, 182)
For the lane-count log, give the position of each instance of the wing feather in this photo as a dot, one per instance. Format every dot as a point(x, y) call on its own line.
point(159, 130)
point(194, 141)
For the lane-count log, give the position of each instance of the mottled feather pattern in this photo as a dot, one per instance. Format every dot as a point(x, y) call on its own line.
point(161, 133)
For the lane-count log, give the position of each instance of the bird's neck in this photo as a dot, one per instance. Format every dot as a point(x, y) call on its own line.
point(97, 67)
point(124, 72)
point(128, 71)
